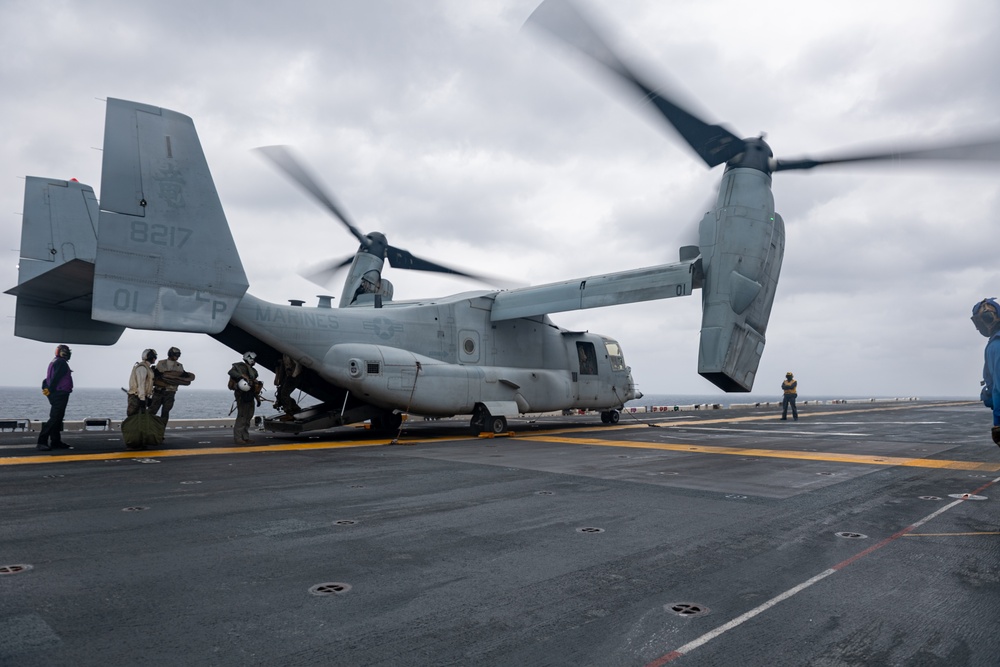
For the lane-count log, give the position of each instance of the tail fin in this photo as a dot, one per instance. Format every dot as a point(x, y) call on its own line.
point(165, 257)
point(56, 271)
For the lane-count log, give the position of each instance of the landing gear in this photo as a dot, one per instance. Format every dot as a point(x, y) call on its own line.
point(497, 424)
point(483, 422)
point(610, 416)
point(478, 422)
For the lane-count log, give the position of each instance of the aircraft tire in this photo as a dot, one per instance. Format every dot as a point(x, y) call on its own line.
point(498, 424)
point(614, 416)
point(605, 417)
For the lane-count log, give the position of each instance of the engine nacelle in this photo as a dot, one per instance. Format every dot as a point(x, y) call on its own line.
point(742, 243)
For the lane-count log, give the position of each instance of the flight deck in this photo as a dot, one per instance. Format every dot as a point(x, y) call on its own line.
point(857, 535)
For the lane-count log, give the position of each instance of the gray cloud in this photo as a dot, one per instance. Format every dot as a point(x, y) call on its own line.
point(465, 138)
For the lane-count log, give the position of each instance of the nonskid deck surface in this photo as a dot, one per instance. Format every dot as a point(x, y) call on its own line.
point(857, 535)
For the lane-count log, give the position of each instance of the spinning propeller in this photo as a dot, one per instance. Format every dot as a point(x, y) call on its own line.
point(714, 143)
point(374, 243)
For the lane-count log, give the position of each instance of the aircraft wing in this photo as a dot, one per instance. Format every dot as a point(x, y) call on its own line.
point(648, 284)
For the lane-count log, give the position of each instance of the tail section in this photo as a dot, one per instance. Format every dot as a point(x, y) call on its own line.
point(165, 257)
point(56, 271)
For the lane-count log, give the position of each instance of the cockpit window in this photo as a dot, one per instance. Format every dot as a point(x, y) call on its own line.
point(615, 355)
point(588, 358)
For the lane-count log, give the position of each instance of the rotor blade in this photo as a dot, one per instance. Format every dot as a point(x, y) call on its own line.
point(987, 150)
point(403, 259)
point(322, 274)
point(283, 158)
point(713, 143)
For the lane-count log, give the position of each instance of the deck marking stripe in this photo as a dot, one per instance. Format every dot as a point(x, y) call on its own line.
point(869, 459)
point(164, 453)
point(739, 620)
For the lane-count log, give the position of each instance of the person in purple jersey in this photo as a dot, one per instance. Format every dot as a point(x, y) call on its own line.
point(986, 317)
point(57, 387)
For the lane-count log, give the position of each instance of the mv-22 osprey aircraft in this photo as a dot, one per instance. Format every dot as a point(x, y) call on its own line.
point(157, 253)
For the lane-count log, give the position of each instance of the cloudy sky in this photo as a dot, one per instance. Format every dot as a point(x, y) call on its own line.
point(469, 140)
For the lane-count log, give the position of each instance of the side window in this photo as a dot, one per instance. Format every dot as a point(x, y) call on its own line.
point(588, 358)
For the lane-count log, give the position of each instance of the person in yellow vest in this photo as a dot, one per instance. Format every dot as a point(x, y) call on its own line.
point(790, 389)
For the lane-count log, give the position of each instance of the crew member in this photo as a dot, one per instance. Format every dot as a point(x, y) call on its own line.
point(986, 317)
point(246, 388)
point(140, 383)
point(57, 387)
point(169, 375)
point(285, 379)
point(790, 389)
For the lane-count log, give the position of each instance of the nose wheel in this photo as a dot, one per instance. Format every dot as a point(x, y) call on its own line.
point(610, 416)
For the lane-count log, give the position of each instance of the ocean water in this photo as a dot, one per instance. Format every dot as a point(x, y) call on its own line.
point(28, 402)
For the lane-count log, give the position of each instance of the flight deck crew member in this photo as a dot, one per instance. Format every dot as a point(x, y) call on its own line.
point(986, 317)
point(140, 383)
point(246, 388)
point(790, 391)
point(285, 379)
point(168, 372)
point(57, 387)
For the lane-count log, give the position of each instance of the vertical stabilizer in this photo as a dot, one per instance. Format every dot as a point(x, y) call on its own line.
point(55, 275)
point(166, 258)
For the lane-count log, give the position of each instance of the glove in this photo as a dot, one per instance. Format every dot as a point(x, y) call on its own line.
point(45, 392)
point(995, 433)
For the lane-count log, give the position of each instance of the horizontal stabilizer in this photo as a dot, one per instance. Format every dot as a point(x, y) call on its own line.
point(166, 258)
point(54, 324)
point(657, 282)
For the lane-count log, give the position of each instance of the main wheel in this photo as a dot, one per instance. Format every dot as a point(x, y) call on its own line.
point(614, 416)
point(605, 417)
point(498, 424)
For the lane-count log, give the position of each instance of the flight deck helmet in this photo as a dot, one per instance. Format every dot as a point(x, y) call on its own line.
point(174, 353)
point(250, 358)
point(149, 355)
point(986, 316)
point(63, 351)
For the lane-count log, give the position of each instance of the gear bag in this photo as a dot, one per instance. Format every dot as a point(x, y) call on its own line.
point(143, 429)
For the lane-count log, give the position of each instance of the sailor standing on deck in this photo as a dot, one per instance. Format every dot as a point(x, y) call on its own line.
point(986, 317)
point(140, 383)
point(57, 387)
point(790, 391)
point(246, 388)
point(168, 375)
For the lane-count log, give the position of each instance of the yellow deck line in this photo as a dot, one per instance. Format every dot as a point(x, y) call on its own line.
point(776, 453)
point(165, 453)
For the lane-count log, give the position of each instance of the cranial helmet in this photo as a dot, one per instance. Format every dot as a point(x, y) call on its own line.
point(243, 385)
point(250, 358)
point(173, 352)
point(149, 355)
point(63, 351)
point(788, 374)
point(986, 316)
